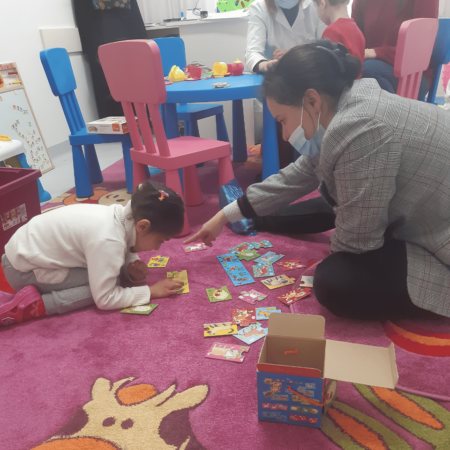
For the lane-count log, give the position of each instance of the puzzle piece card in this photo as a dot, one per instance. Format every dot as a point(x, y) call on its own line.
point(262, 244)
point(306, 281)
point(218, 295)
point(219, 329)
point(143, 309)
point(264, 313)
point(195, 247)
point(278, 281)
point(252, 296)
point(241, 247)
point(260, 270)
point(243, 317)
point(290, 265)
point(268, 258)
point(158, 261)
point(294, 295)
point(235, 269)
point(227, 352)
point(254, 332)
point(180, 276)
point(248, 255)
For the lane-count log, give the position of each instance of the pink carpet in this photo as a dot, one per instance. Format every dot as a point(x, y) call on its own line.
point(52, 367)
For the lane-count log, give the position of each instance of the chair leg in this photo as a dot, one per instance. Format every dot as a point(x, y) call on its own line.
point(93, 166)
point(222, 133)
point(83, 185)
point(271, 161)
point(128, 164)
point(194, 129)
point(192, 192)
point(173, 182)
point(226, 173)
point(139, 174)
point(239, 138)
point(187, 128)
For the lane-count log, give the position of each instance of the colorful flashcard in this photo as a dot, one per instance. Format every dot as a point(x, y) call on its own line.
point(241, 247)
point(248, 255)
point(306, 281)
point(262, 244)
point(195, 247)
point(219, 329)
point(243, 317)
point(294, 295)
point(290, 265)
point(218, 295)
point(264, 313)
point(260, 270)
point(180, 276)
point(143, 309)
point(254, 332)
point(235, 269)
point(268, 258)
point(278, 281)
point(158, 261)
point(227, 352)
point(252, 296)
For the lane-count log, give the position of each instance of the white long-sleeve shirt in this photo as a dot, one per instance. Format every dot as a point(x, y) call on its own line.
point(268, 30)
point(95, 237)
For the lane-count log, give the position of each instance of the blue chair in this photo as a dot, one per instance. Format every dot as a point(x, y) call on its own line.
point(86, 168)
point(173, 53)
point(440, 56)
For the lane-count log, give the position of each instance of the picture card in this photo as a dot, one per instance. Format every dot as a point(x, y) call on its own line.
point(218, 295)
point(241, 247)
point(254, 332)
point(306, 281)
point(260, 270)
point(268, 258)
point(227, 352)
point(264, 313)
point(219, 329)
point(243, 317)
point(143, 309)
point(235, 269)
point(158, 261)
point(195, 247)
point(248, 255)
point(262, 244)
point(290, 265)
point(294, 295)
point(252, 296)
point(180, 276)
point(278, 281)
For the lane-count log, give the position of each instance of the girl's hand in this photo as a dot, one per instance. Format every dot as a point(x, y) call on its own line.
point(370, 54)
point(279, 53)
point(210, 230)
point(266, 65)
point(138, 270)
point(164, 288)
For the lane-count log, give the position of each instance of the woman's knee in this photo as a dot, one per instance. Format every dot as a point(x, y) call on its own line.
point(328, 283)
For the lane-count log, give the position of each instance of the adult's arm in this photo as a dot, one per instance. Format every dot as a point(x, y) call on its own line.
point(256, 38)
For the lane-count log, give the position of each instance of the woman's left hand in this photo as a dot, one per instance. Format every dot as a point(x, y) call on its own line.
point(370, 54)
point(279, 53)
point(138, 270)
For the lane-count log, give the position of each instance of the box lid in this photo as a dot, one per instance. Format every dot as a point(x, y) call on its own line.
point(363, 364)
point(297, 325)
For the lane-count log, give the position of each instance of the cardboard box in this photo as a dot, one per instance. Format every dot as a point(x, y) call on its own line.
point(296, 360)
point(108, 125)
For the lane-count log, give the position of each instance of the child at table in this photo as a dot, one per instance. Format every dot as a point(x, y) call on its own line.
point(72, 257)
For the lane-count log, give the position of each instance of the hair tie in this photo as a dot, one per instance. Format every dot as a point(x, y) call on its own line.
point(163, 194)
point(337, 55)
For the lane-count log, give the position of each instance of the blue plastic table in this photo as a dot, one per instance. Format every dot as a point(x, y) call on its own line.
point(241, 87)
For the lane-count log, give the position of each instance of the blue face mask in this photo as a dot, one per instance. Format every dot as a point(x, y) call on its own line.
point(302, 145)
point(286, 4)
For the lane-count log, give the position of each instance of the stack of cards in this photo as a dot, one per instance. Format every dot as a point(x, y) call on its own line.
point(278, 281)
point(252, 296)
point(264, 313)
point(158, 261)
point(180, 276)
point(235, 269)
point(252, 333)
point(219, 329)
point(243, 317)
point(143, 310)
point(268, 258)
point(262, 244)
point(227, 352)
point(195, 247)
point(260, 270)
point(294, 295)
point(290, 265)
point(218, 295)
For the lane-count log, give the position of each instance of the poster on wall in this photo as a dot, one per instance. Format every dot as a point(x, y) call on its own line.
point(17, 119)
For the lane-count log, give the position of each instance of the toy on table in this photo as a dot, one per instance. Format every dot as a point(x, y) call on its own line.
point(158, 261)
point(218, 295)
point(236, 68)
point(243, 317)
point(254, 332)
point(262, 270)
point(176, 74)
point(220, 85)
point(294, 295)
point(278, 281)
point(235, 269)
point(3, 137)
point(220, 69)
point(142, 310)
point(219, 329)
point(264, 313)
point(252, 296)
point(194, 72)
point(180, 276)
point(227, 352)
point(290, 265)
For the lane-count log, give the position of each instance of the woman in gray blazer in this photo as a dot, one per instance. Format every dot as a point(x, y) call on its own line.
point(382, 163)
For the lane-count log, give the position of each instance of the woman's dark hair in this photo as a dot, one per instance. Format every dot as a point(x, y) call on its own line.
point(166, 214)
point(321, 65)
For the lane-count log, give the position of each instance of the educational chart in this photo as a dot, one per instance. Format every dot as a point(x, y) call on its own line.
point(17, 119)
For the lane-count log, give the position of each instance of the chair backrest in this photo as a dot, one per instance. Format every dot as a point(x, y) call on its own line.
point(134, 73)
point(416, 40)
point(57, 67)
point(173, 53)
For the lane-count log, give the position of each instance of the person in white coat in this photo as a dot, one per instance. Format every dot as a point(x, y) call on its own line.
point(275, 26)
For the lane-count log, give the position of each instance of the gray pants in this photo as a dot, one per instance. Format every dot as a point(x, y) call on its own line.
point(59, 298)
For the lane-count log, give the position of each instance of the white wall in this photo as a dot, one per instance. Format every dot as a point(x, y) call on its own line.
point(21, 43)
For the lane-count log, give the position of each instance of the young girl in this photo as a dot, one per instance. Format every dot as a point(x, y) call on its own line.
point(72, 257)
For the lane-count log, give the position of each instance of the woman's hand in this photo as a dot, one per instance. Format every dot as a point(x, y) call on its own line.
point(266, 65)
point(164, 288)
point(138, 270)
point(279, 53)
point(370, 54)
point(210, 230)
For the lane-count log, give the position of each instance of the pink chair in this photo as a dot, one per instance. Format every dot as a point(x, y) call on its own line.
point(415, 44)
point(134, 73)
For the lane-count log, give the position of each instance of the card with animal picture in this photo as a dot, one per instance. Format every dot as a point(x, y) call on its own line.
point(278, 281)
point(254, 332)
point(260, 270)
point(158, 261)
point(264, 313)
point(241, 247)
point(268, 258)
point(243, 317)
point(180, 276)
point(218, 295)
point(248, 255)
point(294, 295)
point(143, 309)
point(252, 296)
point(290, 265)
point(195, 247)
point(227, 352)
point(262, 244)
point(306, 281)
point(235, 269)
point(219, 329)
